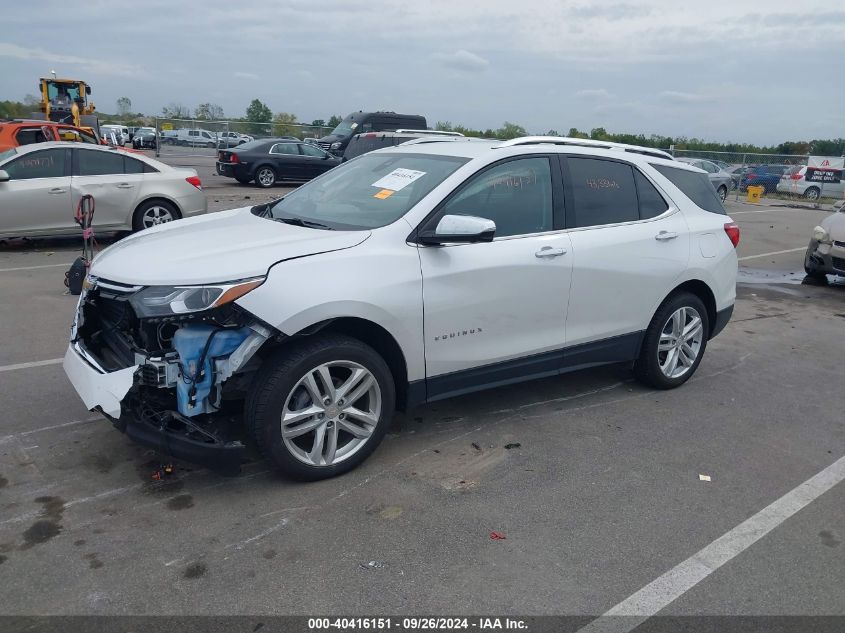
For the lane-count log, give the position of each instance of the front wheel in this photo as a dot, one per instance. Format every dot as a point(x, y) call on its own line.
point(319, 408)
point(265, 177)
point(674, 342)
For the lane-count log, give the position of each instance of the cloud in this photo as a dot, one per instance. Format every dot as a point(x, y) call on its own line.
point(242, 75)
point(674, 96)
point(461, 60)
point(94, 65)
point(596, 93)
point(610, 12)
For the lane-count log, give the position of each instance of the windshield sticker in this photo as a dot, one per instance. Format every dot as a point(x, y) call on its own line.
point(384, 193)
point(353, 126)
point(398, 179)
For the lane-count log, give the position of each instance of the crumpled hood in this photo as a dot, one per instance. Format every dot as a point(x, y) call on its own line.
point(213, 248)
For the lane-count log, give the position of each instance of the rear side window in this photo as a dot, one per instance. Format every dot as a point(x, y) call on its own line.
point(695, 186)
point(603, 192)
point(93, 163)
point(29, 135)
point(652, 203)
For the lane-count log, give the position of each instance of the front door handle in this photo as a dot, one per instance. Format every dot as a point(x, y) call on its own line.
point(665, 235)
point(548, 251)
point(125, 185)
point(55, 190)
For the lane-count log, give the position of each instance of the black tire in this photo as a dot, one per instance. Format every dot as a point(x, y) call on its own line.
point(138, 223)
point(723, 193)
point(242, 180)
point(813, 193)
point(647, 366)
point(265, 177)
point(277, 378)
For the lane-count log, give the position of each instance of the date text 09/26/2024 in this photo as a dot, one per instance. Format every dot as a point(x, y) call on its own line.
point(416, 624)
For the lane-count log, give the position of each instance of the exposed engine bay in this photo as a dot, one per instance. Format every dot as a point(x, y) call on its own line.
point(186, 364)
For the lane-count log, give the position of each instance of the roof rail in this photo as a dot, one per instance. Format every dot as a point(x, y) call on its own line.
point(583, 142)
point(429, 132)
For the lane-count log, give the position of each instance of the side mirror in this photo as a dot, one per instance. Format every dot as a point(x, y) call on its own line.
point(459, 229)
point(4, 176)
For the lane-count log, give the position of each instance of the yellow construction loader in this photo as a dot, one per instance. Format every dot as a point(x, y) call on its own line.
point(66, 101)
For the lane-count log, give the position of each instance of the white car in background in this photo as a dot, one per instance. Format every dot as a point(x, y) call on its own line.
point(41, 184)
point(232, 139)
point(794, 182)
point(538, 256)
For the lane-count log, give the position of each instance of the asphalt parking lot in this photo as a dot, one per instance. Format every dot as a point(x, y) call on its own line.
point(593, 479)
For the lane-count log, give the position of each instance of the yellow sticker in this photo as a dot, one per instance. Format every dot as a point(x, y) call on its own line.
point(384, 193)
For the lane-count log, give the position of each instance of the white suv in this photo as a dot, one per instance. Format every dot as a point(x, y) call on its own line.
point(407, 275)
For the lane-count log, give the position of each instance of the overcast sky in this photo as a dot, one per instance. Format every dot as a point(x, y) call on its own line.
point(720, 69)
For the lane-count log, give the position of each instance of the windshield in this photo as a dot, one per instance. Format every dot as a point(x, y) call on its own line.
point(345, 127)
point(7, 153)
point(366, 193)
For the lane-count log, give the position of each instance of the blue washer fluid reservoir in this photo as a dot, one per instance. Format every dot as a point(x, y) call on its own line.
point(189, 341)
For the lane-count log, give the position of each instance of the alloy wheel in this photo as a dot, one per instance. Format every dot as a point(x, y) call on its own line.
point(266, 177)
point(156, 215)
point(680, 342)
point(331, 412)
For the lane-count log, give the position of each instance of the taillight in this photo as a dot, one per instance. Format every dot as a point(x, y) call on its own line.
point(750, 175)
point(732, 231)
point(196, 182)
point(796, 176)
point(233, 158)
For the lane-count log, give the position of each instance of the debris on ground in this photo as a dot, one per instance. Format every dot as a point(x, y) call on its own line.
point(497, 536)
point(513, 445)
point(476, 446)
point(373, 564)
point(163, 471)
point(704, 478)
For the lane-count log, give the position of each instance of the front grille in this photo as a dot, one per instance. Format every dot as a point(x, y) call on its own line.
point(109, 323)
point(325, 146)
point(838, 263)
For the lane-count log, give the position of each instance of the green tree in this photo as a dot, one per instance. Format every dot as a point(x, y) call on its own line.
point(318, 123)
point(553, 132)
point(444, 126)
point(575, 133)
point(510, 130)
point(176, 111)
point(124, 107)
point(258, 113)
point(599, 134)
point(334, 121)
point(284, 124)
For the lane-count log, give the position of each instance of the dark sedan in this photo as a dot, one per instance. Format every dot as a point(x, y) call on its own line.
point(268, 161)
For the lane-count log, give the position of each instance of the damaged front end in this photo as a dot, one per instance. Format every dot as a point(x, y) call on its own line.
point(161, 362)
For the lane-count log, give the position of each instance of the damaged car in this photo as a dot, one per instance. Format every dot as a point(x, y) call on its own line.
point(826, 251)
point(404, 276)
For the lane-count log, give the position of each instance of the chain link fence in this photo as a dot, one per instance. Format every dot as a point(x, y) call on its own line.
point(199, 137)
point(782, 176)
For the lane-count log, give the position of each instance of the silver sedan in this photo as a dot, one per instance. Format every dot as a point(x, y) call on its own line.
point(720, 179)
point(826, 252)
point(41, 185)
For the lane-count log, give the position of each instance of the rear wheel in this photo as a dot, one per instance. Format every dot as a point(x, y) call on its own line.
point(320, 408)
point(812, 193)
point(153, 213)
point(723, 193)
point(674, 342)
point(265, 176)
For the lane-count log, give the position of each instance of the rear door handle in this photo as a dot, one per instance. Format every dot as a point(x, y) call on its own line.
point(548, 251)
point(665, 235)
point(55, 190)
point(125, 185)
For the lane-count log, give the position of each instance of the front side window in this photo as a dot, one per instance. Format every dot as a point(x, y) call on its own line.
point(516, 195)
point(310, 150)
point(603, 192)
point(366, 193)
point(93, 163)
point(695, 186)
point(49, 163)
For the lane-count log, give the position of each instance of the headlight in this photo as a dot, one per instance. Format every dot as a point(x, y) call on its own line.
point(168, 300)
point(335, 146)
point(820, 234)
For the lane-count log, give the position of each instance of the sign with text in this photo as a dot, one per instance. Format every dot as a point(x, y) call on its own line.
point(824, 169)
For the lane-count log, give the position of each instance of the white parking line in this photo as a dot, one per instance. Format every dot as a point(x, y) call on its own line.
point(11, 270)
point(36, 363)
point(789, 250)
point(659, 593)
